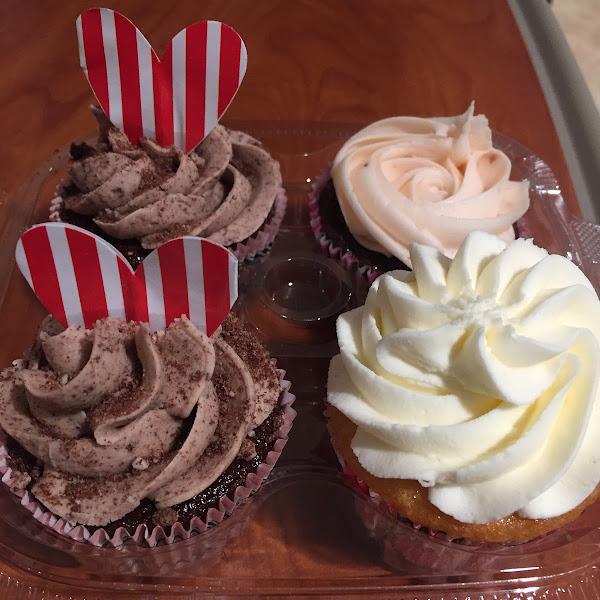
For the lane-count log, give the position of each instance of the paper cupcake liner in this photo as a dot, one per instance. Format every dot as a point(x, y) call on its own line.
point(523, 230)
point(404, 541)
point(155, 536)
point(347, 258)
point(258, 244)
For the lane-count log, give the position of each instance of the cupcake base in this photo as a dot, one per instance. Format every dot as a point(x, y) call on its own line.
point(402, 542)
point(408, 500)
point(195, 516)
point(334, 237)
point(260, 242)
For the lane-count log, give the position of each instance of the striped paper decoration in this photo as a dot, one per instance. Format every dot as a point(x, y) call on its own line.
point(79, 278)
point(176, 100)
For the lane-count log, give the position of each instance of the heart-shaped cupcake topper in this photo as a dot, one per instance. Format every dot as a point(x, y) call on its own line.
point(176, 100)
point(79, 278)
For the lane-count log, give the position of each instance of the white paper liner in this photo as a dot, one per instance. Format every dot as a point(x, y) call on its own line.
point(151, 537)
point(257, 244)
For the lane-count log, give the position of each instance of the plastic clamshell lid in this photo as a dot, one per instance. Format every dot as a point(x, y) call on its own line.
point(306, 530)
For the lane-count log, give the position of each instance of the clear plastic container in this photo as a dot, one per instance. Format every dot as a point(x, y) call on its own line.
point(306, 531)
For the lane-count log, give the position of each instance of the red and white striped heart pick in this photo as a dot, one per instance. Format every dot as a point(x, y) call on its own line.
point(79, 278)
point(176, 100)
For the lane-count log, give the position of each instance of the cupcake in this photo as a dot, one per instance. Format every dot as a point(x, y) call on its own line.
point(408, 179)
point(115, 433)
point(163, 167)
point(227, 189)
point(465, 394)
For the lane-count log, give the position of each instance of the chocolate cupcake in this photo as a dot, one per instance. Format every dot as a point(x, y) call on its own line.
point(228, 190)
point(113, 434)
point(465, 394)
point(407, 179)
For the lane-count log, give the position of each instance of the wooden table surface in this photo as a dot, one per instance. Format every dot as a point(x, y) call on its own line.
point(317, 60)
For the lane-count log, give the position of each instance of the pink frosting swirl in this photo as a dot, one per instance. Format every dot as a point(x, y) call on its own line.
point(430, 181)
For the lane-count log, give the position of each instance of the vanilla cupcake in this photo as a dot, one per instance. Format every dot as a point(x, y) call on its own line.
point(408, 180)
point(465, 394)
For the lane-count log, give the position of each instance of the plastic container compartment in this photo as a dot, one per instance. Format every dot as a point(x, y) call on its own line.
point(306, 532)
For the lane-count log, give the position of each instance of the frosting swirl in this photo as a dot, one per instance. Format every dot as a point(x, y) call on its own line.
point(429, 181)
point(478, 377)
point(222, 190)
point(117, 415)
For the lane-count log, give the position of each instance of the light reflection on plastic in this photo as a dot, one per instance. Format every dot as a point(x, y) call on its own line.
point(529, 590)
point(308, 180)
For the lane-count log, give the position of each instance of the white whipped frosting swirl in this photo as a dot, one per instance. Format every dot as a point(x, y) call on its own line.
point(478, 377)
point(429, 181)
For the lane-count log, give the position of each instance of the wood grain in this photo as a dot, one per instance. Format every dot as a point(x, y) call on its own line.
point(334, 60)
point(324, 61)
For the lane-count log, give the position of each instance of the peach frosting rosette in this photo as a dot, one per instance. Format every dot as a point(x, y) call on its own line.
point(426, 180)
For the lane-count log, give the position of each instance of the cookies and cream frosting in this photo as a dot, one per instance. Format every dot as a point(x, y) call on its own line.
point(116, 415)
point(222, 190)
point(430, 181)
point(478, 377)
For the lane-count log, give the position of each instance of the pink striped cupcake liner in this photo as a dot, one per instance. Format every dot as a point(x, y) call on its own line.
point(157, 536)
point(348, 259)
point(261, 240)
